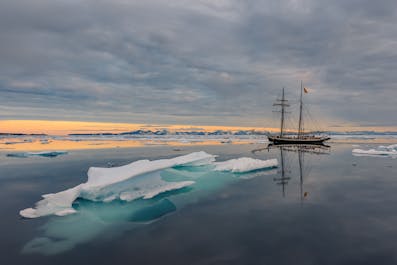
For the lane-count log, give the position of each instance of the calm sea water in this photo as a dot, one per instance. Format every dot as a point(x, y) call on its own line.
point(335, 209)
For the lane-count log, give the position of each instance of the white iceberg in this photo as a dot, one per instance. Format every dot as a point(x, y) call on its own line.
point(140, 179)
point(100, 182)
point(245, 164)
point(390, 151)
point(134, 200)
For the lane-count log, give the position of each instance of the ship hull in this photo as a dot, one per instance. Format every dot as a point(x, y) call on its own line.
point(296, 140)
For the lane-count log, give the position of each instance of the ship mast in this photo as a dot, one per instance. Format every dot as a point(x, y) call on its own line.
point(300, 128)
point(283, 103)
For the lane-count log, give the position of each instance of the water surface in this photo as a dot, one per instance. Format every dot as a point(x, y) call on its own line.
point(340, 210)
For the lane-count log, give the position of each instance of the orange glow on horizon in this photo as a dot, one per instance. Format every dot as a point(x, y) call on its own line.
point(69, 145)
point(68, 127)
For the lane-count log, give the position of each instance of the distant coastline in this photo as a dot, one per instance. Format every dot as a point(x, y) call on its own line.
point(67, 128)
point(196, 133)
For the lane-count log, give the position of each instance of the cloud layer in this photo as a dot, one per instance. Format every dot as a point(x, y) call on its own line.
point(197, 62)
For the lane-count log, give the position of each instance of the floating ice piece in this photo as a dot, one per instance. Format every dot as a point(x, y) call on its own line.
point(390, 150)
point(245, 164)
point(140, 179)
point(101, 184)
point(44, 154)
point(19, 142)
point(45, 141)
point(392, 147)
point(373, 152)
point(92, 218)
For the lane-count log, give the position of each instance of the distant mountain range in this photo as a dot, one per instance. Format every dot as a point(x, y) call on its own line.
point(23, 134)
point(200, 133)
point(166, 132)
point(224, 132)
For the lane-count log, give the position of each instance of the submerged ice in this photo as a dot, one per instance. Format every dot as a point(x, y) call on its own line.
point(244, 164)
point(143, 179)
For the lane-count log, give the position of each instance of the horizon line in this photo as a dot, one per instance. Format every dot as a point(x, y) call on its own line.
point(65, 127)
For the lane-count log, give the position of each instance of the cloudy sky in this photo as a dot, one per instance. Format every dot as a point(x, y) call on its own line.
point(215, 62)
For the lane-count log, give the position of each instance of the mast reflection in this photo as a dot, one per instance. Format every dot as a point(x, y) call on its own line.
point(282, 180)
point(302, 150)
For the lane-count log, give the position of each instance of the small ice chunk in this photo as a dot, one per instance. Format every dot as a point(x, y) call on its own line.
point(44, 141)
point(226, 141)
point(390, 150)
point(245, 164)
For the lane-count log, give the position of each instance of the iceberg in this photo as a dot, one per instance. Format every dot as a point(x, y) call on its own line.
point(43, 154)
point(389, 151)
point(140, 179)
point(102, 184)
point(119, 199)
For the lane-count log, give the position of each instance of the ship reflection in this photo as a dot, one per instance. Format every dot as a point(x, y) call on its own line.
point(289, 153)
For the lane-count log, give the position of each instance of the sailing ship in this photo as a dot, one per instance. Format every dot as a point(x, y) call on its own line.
point(301, 137)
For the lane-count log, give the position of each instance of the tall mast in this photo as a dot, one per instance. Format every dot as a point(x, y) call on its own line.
point(300, 129)
point(282, 114)
point(283, 103)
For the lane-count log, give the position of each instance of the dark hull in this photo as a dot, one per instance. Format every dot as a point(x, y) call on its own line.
point(295, 140)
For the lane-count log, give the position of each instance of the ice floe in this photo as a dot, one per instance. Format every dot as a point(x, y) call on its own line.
point(43, 153)
point(143, 179)
point(93, 218)
point(19, 142)
point(390, 150)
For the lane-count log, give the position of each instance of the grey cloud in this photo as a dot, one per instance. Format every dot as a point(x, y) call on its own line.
point(211, 62)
